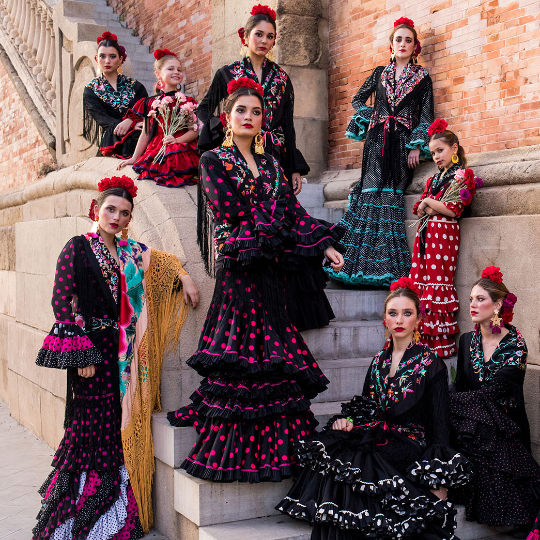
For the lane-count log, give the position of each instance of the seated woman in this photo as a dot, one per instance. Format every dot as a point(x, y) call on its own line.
point(107, 102)
point(383, 469)
point(488, 415)
point(167, 148)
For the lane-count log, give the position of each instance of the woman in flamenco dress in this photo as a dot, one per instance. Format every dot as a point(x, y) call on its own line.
point(117, 303)
point(436, 245)
point(488, 416)
point(382, 468)
point(396, 134)
point(308, 306)
point(179, 164)
point(108, 101)
point(259, 375)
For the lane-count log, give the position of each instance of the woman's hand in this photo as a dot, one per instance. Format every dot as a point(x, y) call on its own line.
point(191, 292)
point(414, 158)
point(430, 211)
point(441, 493)
point(169, 139)
point(138, 126)
point(296, 182)
point(86, 372)
point(342, 425)
point(336, 257)
point(125, 163)
point(123, 127)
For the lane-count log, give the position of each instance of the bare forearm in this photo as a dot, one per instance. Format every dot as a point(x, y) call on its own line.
point(187, 137)
point(439, 207)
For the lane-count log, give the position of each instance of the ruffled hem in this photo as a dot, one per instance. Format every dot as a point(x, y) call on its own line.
point(68, 346)
point(359, 124)
point(434, 324)
point(441, 466)
point(383, 281)
point(443, 345)
point(439, 298)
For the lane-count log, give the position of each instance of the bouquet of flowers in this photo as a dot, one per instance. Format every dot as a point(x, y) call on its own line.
point(462, 189)
point(173, 119)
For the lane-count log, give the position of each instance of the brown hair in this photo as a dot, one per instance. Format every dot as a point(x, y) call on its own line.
point(116, 192)
point(496, 291)
point(111, 43)
point(396, 28)
point(158, 64)
point(450, 138)
point(242, 91)
point(407, 293)
point(254, 20)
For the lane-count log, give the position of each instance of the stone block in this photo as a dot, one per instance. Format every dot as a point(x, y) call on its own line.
point(339, 185)
point(13, 395)
point(8, 286)
point(347, 339)
point(311, 195)
point(172, 239)
point(310, 91)
point(357, 305)
point(299, 43)
point(332, 215)
point(171, 444)
point(532, 402)
point(52, 418)
point(312, 141)
point(209, 503)
point(346, 378)
point(7, 248)
point(312, 8)
point(34, 301)
point(30, 406)
point(10, 215)
point(180, 203)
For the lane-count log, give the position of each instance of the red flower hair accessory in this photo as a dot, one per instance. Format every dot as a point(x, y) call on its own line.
point(123, 53)
point(223, 119)
point(406, 283)
point(160, 53)
point(404, 20)
point(244, 82)
point(417, 49)
point(493, 273)
point(440, 125)
point(108, 36)
point(508, 308)
point(241, 36)
point(91, 212)
point(124, 182)
point(264, 10)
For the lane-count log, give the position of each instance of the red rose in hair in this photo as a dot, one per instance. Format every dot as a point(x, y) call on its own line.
point(438, 126)
point(404, 20)
point(160, 53)
point(265, 10)
point(123, 53)
point(241, 35)
point(91, 212)
point(405, 283)
point(493, 273)
point(124, 182)
point(107, 36)
point(242, 82)
point(223, 119)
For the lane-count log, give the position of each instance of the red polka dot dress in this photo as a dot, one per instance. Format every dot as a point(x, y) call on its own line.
point(433, 268)
point(88, 493)
point(259, 375)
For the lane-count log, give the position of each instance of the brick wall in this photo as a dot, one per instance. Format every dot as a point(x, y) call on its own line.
point(483, 57)
point(184, 26)
point(22, 152)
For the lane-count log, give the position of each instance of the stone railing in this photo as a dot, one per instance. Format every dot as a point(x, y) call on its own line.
point(28, 37)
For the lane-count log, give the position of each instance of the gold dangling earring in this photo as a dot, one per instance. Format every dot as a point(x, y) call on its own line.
point(495, 323)
point(455, 159)
point(119, 70)
point(259, 146)
point(228, 141)
point(125, 233)
point(417, 336)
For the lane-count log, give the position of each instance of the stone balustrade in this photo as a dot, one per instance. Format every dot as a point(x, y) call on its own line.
point(28, 36)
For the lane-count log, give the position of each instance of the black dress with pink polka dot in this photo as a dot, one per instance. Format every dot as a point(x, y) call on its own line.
point(490, 427)
point(259, 375)
point(88, 494)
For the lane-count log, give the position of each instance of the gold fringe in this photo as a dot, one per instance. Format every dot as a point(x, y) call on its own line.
point(167, 313)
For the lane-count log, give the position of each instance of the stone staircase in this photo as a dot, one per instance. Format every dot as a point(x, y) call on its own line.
point(344, 350)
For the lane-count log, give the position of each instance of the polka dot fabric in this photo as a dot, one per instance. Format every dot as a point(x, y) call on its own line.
point(259, 378)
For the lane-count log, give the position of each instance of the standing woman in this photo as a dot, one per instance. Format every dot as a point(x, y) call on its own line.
point(114, 303)
point(396, 134)
point(259, 375)
point(488, 414)
point(108, 100)
point(383, 469)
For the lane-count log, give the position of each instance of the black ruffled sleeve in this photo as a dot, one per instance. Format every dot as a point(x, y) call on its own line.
point(295, 159)
point(66, 345)
point(211, 135)
point(440, 465)
point(419, 136)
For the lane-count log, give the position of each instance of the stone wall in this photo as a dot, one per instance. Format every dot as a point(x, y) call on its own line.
point(23, 153)
point(483, 58)
point(183, 26)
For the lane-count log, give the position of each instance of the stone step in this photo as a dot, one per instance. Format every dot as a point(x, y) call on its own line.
point(324, 411)
point(357, 305)
point(333, 215)
point(211, 503)
point(345, 339)
point(311, 195)
point(346, 378)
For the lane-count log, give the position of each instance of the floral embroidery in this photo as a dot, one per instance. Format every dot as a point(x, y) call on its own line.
point(118, 99)
point(109, 267)
point(411, 369)
point(397, 90)
point(442, 178)
point(511, 351)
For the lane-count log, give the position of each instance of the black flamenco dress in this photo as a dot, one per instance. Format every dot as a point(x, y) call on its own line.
point(490, 427)
point(104, 108)
point(88, 494)
point(375, 481)
point(259, 375)
point(377, 251)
